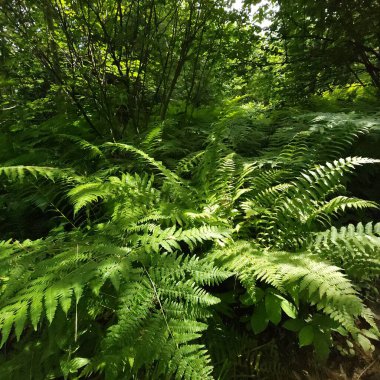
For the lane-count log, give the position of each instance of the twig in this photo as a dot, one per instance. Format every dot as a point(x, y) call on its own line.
point(366, 369)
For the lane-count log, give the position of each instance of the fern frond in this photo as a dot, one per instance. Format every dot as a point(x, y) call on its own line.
point(156, 164)
point(355, 248)
point(318, 282)
point(93, 150)
point(153, 138)
point(170, 238)
point(191, 362)
point(85, 194)
point(304, 205)
point(341, 203)
point(17, 173)
point(189, 163)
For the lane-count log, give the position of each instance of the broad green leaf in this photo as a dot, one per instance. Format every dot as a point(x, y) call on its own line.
point(259, 319)
point(289, 309)
point(273, 308)
point(294, 325)
point(321, 345)
point(77, 363)
point(306, 336)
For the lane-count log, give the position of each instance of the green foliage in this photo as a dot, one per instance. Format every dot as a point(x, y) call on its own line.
point(18, 172)
point(126, 284)
point(154, 228)
point(354, 248)
point(139, 287)
point(341, 36)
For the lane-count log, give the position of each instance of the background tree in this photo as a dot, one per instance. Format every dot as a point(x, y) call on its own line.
point(329, 42)
point(119, 61)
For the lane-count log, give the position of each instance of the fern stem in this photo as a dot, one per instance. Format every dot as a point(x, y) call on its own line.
point(76, 310)
point(160, 304)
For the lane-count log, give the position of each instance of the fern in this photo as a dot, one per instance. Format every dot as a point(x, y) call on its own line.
point(70, 275)
point(141, 270)
point(304, 277)
point(161, 275)
point(92, 150)
point(354, 248)
point(131, 149)
point(306, 203)
point(19, 172)
point(85, 194)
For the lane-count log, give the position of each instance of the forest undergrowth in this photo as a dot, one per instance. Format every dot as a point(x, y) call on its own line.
point(189, 189)
point(219, 249)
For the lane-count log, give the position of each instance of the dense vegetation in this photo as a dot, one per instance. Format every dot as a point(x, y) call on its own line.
point(189, 189)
